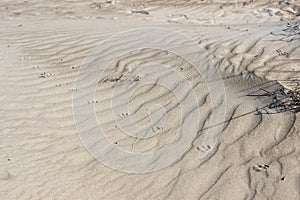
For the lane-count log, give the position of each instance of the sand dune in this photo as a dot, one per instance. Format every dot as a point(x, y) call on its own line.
point(146, 98)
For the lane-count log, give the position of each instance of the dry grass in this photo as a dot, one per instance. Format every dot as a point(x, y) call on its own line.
point(285, 100)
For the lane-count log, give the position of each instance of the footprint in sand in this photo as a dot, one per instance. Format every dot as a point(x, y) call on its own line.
point(204, 148)
point(123, 114)
point(44, 75)
point(259, 168)
point(93, 101)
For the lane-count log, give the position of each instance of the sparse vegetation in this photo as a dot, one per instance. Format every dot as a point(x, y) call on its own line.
point(285, 100)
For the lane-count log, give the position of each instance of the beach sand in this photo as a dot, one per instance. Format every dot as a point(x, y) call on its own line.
point(255, 45)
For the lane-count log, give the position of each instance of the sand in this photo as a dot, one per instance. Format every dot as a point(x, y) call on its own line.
point(222, 139)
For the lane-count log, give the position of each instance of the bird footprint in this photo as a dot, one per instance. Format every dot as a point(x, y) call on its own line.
point(123, 114)
point(204, 148)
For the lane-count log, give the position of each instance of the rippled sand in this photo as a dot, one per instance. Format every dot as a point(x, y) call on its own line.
point(43, 45)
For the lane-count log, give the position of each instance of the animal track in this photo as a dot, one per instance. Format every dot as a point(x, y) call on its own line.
point(261, 167)
point(123, 114)
point(77, 67)
point(204, 148)
point(44, 75)
point(25, 58)
point(159, 128)
point(281, 53)
point(93, 101)
point(63, 84)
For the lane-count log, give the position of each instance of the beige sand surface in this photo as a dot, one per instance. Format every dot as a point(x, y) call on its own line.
point(254, 44)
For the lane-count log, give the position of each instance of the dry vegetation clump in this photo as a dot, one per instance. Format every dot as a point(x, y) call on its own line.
point(285, 100)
